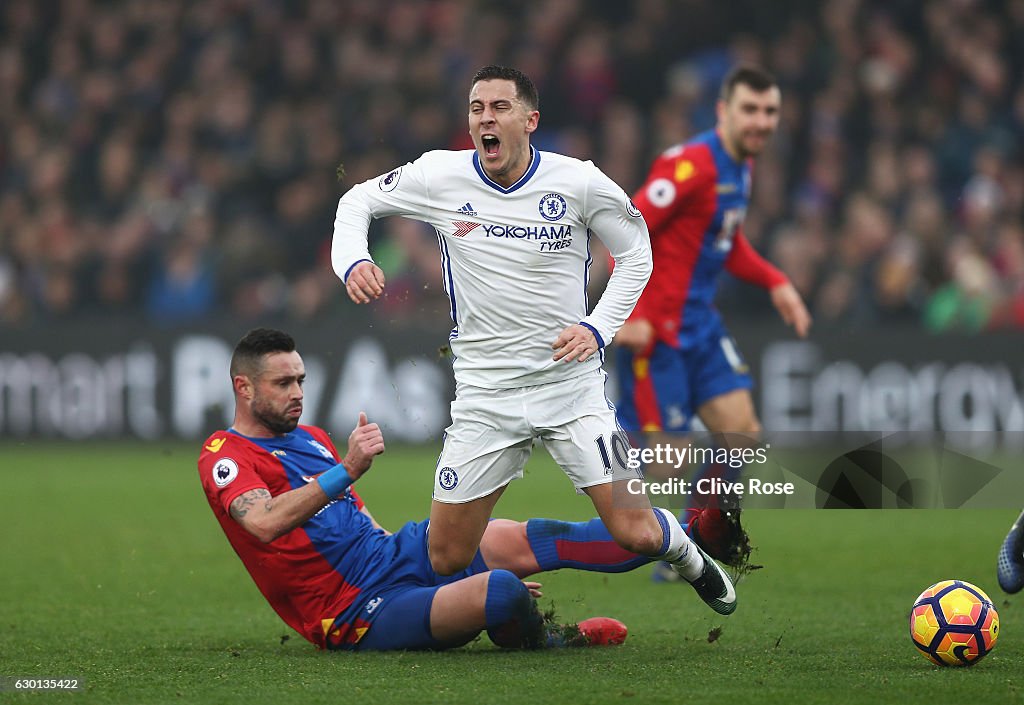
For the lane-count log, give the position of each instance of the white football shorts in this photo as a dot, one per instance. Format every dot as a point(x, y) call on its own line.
point(492, 434)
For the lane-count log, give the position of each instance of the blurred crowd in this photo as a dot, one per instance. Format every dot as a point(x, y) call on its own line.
point(178, 159)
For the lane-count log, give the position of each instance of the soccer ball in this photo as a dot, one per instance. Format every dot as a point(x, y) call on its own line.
point(953, 623)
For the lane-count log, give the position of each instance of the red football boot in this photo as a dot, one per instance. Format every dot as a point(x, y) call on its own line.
point(602, 631)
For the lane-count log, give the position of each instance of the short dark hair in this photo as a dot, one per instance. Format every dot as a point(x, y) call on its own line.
point(756, 78)
point(525, 90)
point(247, 359)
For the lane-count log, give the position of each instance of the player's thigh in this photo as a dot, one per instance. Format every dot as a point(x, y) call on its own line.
point(420, 618)
point(410, 563)
point(590, 446)
point(505, 544)
point(456, 531)
point(715, 368)
point(459, 610)
point(485, 447)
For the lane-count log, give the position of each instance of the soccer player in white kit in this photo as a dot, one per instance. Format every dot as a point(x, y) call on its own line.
point(513, 226)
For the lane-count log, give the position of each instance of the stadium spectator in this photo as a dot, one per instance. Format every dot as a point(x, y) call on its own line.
point(234, 103)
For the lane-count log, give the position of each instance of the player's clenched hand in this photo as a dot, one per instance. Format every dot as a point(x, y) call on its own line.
point(365, 282)
point(574, 343)
point(637, 335)
point(790, 306)
point(364, 443)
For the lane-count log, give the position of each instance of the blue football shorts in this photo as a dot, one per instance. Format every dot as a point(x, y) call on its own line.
point(662, 391)
point(396, 607)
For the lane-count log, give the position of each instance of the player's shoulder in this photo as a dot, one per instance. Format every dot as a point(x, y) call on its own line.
point(572, 174)
point(222, 455)
point(698, 147)
point(215, 443)
point(556, 160)
point(688, 160)
point(446, 158)
point(222, 444)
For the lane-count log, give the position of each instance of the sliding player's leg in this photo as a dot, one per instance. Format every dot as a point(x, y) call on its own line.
point(498, 602)
point(538, 545)
point(447, 616)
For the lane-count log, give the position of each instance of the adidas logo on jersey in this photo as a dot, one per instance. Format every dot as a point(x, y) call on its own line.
point(467, 209)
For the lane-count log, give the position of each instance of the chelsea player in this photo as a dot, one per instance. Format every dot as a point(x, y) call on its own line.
point(513, 228)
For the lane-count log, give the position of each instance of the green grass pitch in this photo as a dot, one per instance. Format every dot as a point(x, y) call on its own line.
point(114, 570)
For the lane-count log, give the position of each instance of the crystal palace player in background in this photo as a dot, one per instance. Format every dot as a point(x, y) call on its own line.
point(676, 358)
point(513, 226)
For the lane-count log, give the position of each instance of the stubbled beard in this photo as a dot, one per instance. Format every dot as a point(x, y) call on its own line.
point(275, 423)
point(748, 154)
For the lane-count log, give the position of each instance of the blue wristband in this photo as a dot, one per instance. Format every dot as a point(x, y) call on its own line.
point(334, 481)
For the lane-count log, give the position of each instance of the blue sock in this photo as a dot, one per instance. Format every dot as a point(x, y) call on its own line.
point(584, 545)
point(511, 613)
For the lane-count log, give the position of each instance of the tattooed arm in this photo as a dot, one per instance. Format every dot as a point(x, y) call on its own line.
point(267, 517)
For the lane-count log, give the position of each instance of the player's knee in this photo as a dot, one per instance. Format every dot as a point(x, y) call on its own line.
point(753, 428)
point(448, 560)
point(507, 597)
point(511, 613)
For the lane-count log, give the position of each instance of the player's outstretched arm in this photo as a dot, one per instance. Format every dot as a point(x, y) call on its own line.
point(365, 282)
point(790, 305)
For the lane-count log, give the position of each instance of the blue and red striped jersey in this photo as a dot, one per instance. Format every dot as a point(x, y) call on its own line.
point(316, 571)
point(694, 201)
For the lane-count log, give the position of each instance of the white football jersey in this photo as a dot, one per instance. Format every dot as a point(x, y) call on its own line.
point(515, 260)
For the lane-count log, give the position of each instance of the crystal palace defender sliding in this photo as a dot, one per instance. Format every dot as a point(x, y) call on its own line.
point(514, 225)
point(326, 567)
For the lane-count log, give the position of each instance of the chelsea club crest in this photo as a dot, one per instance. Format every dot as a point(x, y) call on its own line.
point(552, 206)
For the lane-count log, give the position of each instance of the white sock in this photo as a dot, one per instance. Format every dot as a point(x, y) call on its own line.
point(681, 552)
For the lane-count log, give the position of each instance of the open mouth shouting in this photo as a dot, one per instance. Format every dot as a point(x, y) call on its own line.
point(491, 144)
